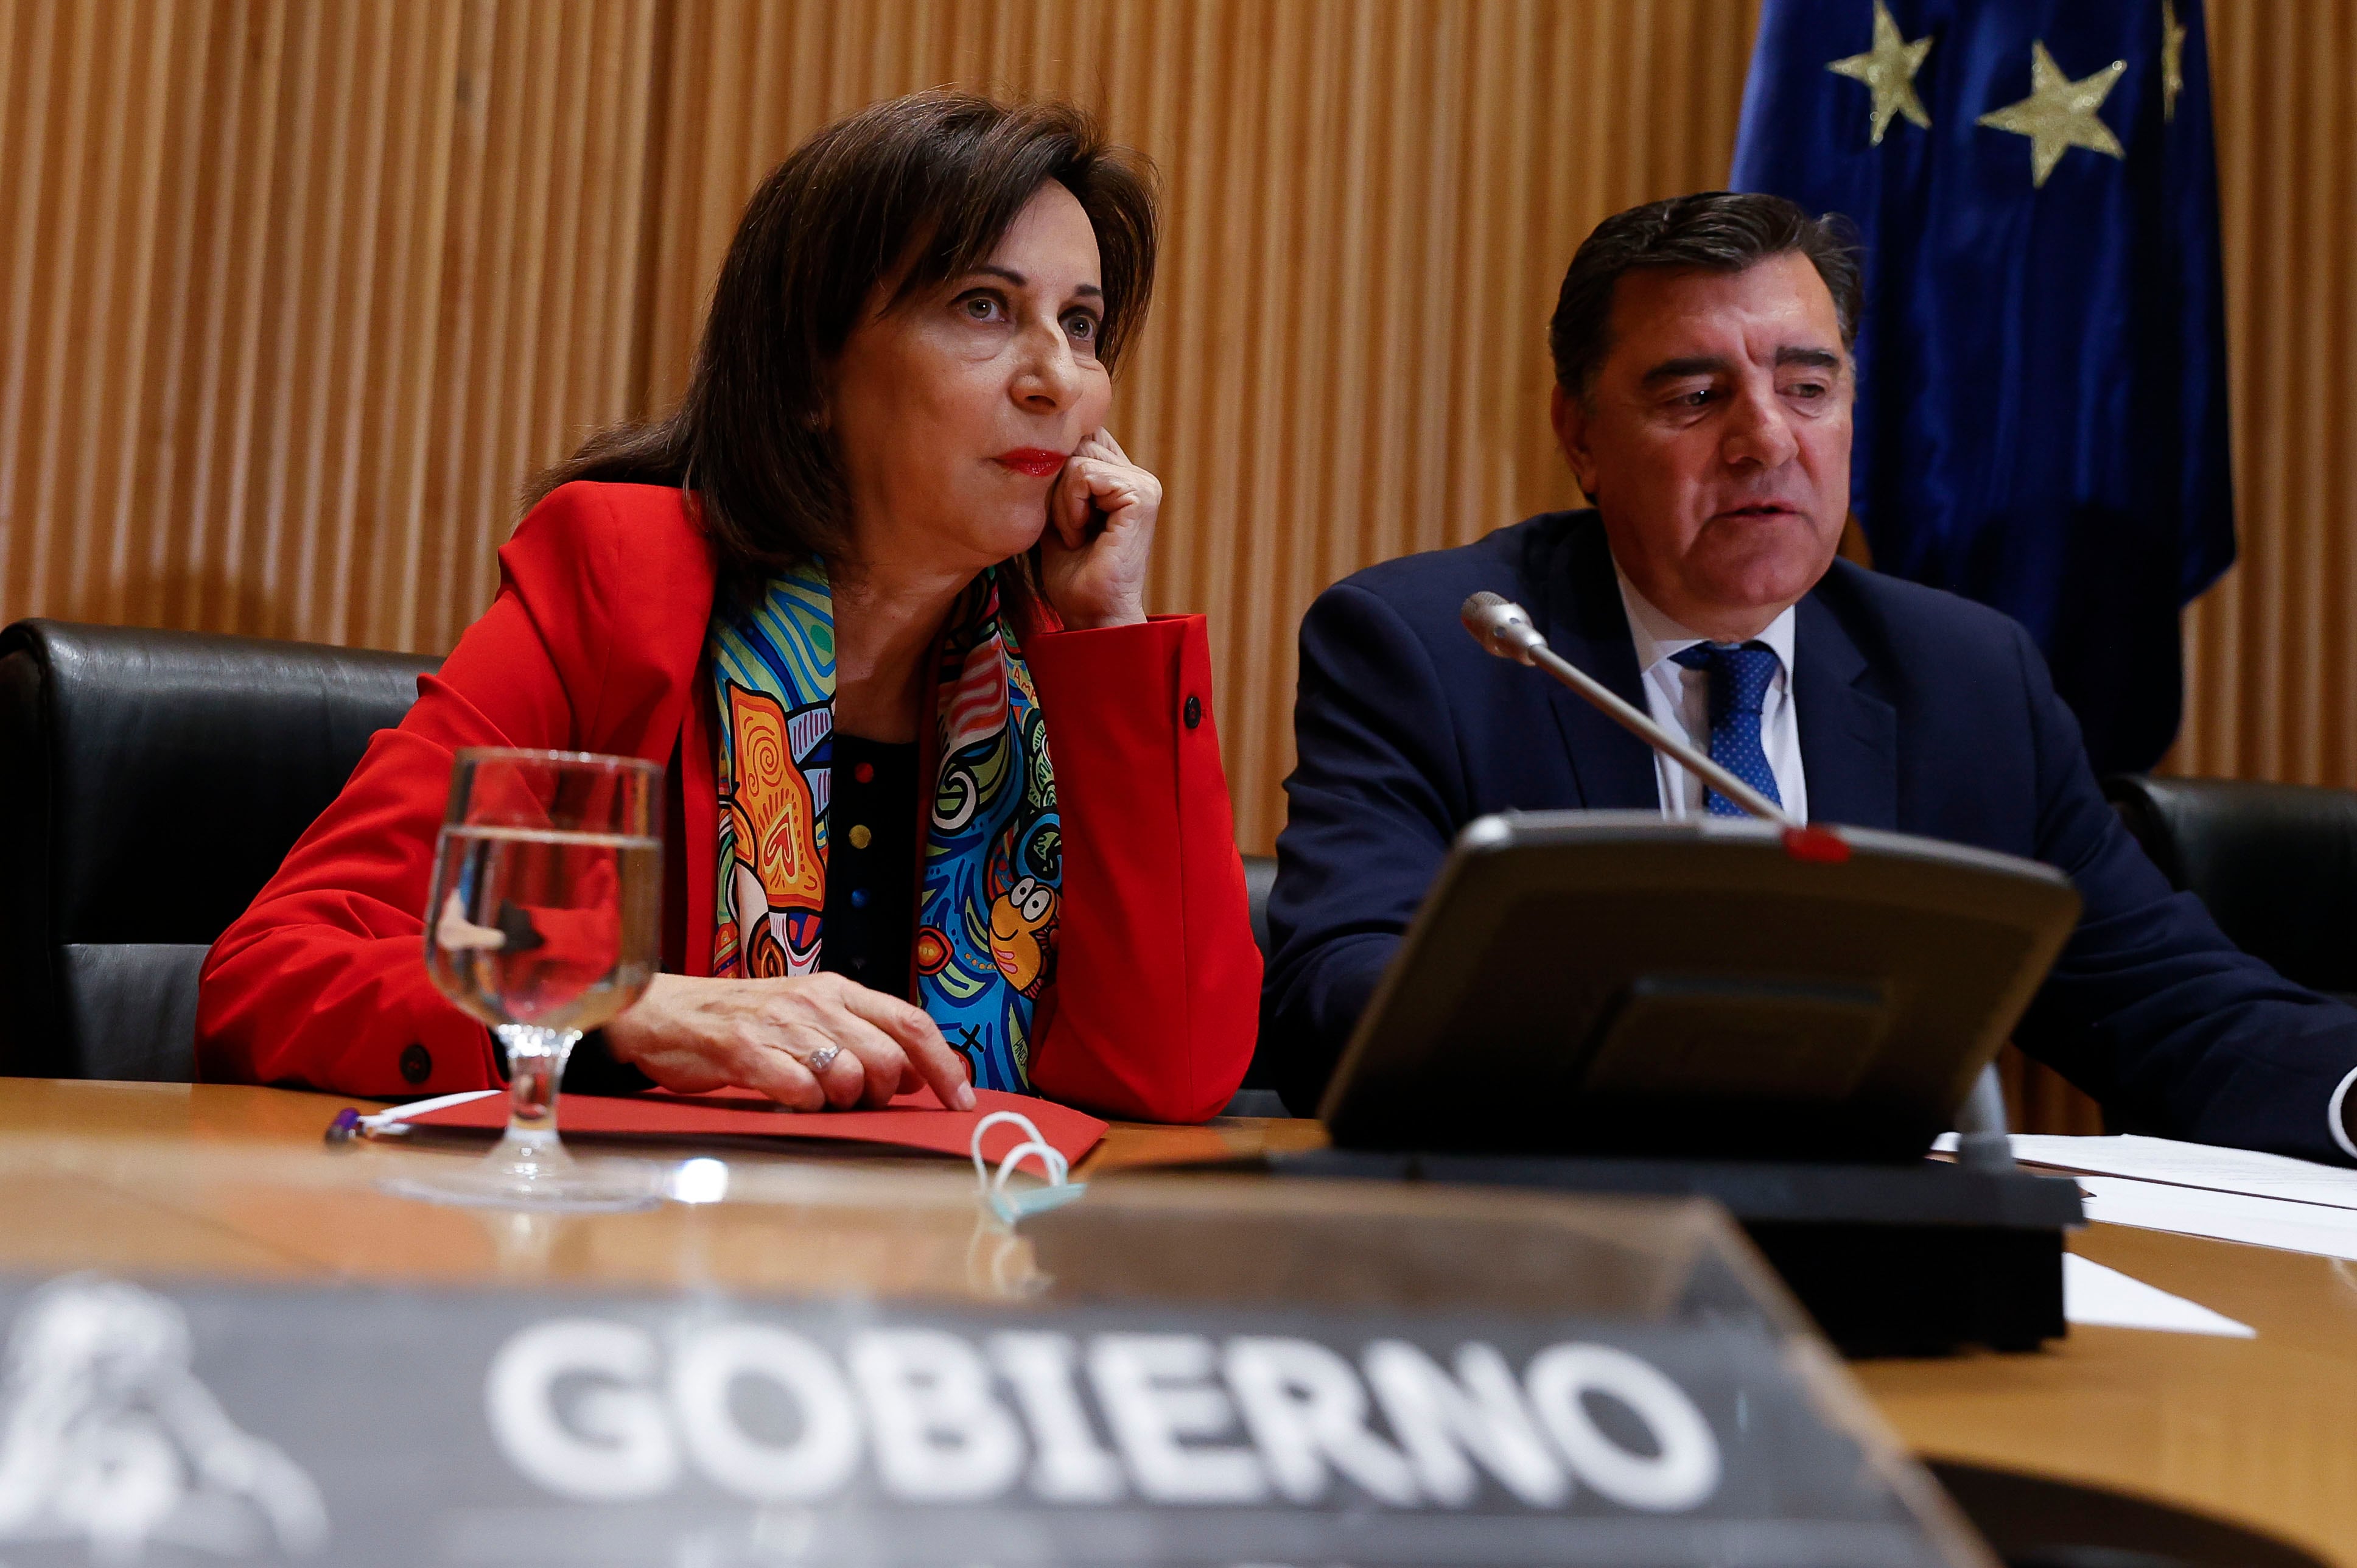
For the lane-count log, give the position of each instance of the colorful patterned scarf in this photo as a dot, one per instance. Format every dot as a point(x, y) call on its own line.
point(993, 849)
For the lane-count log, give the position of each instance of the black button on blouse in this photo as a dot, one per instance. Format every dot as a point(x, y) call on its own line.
point(870, 933)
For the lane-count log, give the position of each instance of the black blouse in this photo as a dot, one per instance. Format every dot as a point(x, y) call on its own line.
point(870, 930)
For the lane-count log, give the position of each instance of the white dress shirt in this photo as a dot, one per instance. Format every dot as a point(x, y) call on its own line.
point(1679, 700)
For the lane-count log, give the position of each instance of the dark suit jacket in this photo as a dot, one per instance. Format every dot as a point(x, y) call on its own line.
point(1919, 711)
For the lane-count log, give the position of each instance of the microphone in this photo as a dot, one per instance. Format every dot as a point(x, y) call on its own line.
point(1499, 625)
point(1504, 628)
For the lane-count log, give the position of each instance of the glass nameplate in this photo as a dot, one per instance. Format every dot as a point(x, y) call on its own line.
point(845, 1367)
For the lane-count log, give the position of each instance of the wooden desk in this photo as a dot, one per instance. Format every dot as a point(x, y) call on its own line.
point(2261, 1431)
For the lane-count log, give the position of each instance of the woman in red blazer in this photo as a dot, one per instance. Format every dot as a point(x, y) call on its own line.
point(945, 805)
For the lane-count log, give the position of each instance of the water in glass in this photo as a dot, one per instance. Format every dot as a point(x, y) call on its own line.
point(544, 922)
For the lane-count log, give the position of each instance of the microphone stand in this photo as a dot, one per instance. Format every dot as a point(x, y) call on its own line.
point(1501, 626)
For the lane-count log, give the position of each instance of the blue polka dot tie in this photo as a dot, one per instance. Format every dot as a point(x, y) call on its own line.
point(1738, 684)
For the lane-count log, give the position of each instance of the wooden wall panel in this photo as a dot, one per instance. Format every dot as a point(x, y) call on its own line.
point(1370, 208)
point(2271, 651)
point(291, 294)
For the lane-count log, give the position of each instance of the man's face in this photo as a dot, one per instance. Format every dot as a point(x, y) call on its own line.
point(1715, 440)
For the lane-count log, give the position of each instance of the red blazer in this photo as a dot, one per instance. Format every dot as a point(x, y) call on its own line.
point(596, 643)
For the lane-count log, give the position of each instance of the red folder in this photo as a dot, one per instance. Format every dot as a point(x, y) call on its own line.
point(915, 1121)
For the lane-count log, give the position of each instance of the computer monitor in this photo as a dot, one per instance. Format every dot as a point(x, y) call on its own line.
point(1618, 983)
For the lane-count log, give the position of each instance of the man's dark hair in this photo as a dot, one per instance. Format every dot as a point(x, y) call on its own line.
point(906, 193)
point(1716, 231)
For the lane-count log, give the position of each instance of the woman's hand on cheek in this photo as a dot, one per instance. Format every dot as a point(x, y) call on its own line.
point(1099, 579)
point(693, 1035)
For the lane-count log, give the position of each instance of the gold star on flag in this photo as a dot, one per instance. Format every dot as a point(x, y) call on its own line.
point(1889, 71)
point(2172, 59)
point(2059, 113)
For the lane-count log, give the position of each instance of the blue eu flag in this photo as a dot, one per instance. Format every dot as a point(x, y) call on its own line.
point(2041, 417)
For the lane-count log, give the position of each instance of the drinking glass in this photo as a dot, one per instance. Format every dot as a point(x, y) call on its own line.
point(544, 922)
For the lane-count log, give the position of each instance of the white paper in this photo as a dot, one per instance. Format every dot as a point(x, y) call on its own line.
point(2099, 1297)
point(2187, 1164)
point(2327, 1231)
point(2196, 1189)
point(2193, 1165)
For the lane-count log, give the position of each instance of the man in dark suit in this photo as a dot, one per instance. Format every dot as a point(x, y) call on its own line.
point(1703, 396)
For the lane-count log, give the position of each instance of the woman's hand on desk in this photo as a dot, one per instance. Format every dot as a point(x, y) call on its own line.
point(692, 1035)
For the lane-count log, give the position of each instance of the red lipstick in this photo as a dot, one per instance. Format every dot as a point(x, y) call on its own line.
point(1036, 461)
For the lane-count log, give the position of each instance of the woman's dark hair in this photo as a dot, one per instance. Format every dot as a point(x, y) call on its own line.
point(1717, 231)
point(920, 188)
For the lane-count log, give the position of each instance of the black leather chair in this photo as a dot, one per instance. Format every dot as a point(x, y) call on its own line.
point(150, 783)
point(1260, 875)
point(1256, 1097)
point(2275, 864)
